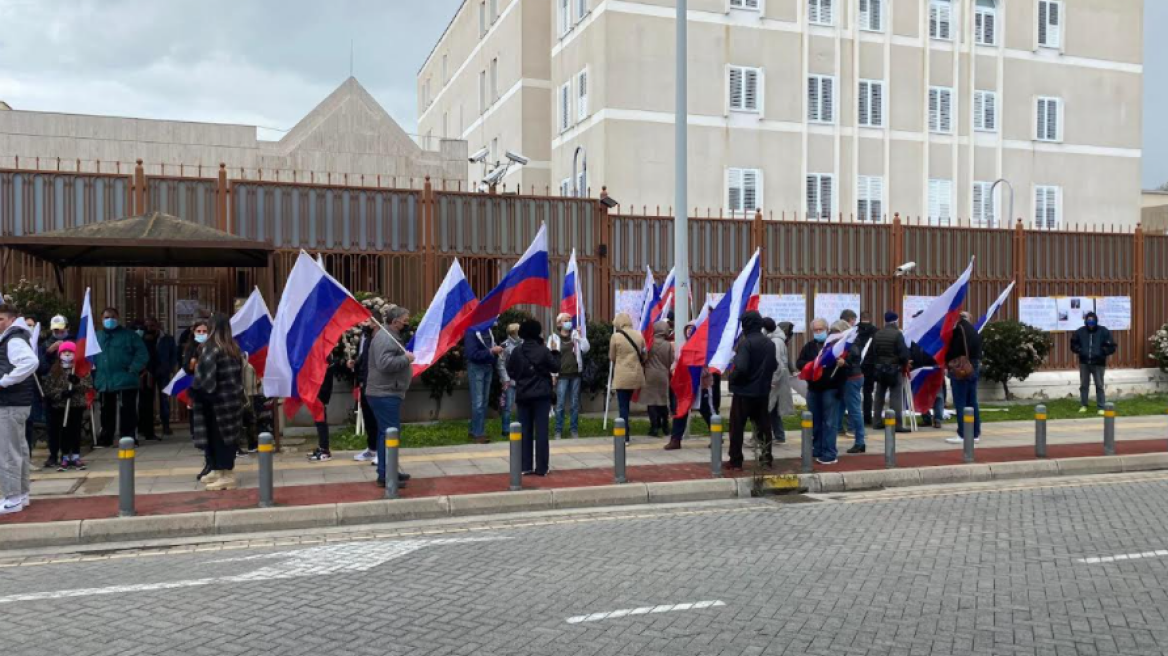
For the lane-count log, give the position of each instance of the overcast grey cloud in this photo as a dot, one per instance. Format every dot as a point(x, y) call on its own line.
point(268, 62)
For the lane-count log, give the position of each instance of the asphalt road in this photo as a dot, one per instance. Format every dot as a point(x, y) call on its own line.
point(1031, 569)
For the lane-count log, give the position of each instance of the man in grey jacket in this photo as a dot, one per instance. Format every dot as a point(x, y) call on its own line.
point(390, 374)
point(18, 362)
point(782, 401)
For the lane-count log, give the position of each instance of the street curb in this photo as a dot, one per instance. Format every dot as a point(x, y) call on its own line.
point(251, 520)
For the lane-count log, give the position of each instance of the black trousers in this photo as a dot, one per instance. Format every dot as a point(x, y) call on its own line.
point(658, 419)
point(65, 440)
point(754, 410)
point(220, 454)
point(370, 420)
point(869, 390)
point(533, 416)
point(146, 394)
point(110, 419)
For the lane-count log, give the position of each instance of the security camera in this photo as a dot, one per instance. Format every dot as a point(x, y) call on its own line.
point(495, 177)
point(905, 268)
point(480, 155)
point(608, 201)
point(517, 158)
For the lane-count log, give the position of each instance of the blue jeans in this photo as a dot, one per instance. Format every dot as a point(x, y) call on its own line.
point(568, 392)
point(480, 392)
point(824, 414)
point(387, 409)
point(623, 399)
point(965, 396)
point(853, 402)
point(505, 412)
point(939, 406)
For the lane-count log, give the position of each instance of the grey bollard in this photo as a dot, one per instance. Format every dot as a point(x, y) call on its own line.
point(967, 430)
point(618, 457)
point(516, 439)
point(126, 477)
point(716, 446)
point(1040, 431)
point(267, 452)
point(392, 443)
point(889, 439)
point(1109, 429)
point(808, 438)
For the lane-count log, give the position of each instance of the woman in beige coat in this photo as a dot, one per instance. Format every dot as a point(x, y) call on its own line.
point(655, 393)
point(626, 352)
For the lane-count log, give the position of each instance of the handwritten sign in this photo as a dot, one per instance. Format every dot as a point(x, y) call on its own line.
point(1071, 310)
point(914, 305)
point(785, 307)
point(1039, 312)
point(1114, 312)
point(829, 306)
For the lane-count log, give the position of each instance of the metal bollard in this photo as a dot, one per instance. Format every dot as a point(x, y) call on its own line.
point(1109, 429)
point(1040, 431)
point(716, 446)
point(392, 443)
point(967, 429)
point(267, 452)
point(126, 477)
point(516, 456)
point(618, 446)
point(889, 439)
point(808, 445)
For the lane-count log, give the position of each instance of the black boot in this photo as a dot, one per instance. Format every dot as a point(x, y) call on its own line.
point(206, 470)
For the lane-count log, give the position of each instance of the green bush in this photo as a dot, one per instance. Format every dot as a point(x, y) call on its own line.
point(1159, 347)
point(1011, 349)
point(41, 303)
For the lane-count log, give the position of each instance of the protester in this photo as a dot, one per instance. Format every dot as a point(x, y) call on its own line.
point(65, 397)
point(852, 392)
point(626, 352)
point(482, 355)
point(37, 413)
point(782, 398)
point(360, 368)
point(167, 351)
point(1093, 344)
point(655, 393)
point(123, 357)
point(867, 330)
point(147, 380)
point(18, 363)
point(921, 360)
point(571, 369)
point(704, 402)
point(965, 353)
point(531, 366)
point(751, 375)
point(199, 331)
point(507, 396)
point(390, 375)
point(58, 334)
point(890, 358)
point(217, 395)
point(823, 396)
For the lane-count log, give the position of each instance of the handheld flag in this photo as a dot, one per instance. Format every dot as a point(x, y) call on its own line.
point(933, 329)
point(529, 281)
point(572, 300)
point(834, 351)
point(989, 315)
point(87, 345)
point(180, 386)
point(445, 320)
point(252, 329)
point(649, 300)
point(926, 382)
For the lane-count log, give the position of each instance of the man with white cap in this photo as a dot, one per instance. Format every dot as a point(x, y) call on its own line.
point(18, 363)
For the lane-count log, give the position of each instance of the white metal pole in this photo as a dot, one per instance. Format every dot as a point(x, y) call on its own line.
point(681, 178)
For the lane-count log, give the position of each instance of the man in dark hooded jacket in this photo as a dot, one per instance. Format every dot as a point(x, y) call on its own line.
point(1093, 344)
point(750, 382)
point(868, 366)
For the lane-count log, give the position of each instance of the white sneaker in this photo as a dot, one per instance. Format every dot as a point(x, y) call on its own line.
point(959, 440)
point(11, 505)
point(365, 456)
point(24, 501)
point(374, 463)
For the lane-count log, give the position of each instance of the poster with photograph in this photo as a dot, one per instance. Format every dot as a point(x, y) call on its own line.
point(1114, 312)
point(1070, 310)
point(1038, 312)
point(913, 306)
point(829, 306)
point(785, 307)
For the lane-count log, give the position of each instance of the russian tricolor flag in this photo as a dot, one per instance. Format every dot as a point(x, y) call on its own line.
point(926, 382)
point(933, 329)
point(650, 298)
point(87, 345)
point(529, 281)
point(572, 301)
point(445, 320)
point(989, 315)
point(180, 386)
point(314, 312)
point(252, 329)
point(834, 351)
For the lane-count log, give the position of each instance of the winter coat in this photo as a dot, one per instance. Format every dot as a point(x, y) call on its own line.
point(509, 345)
point(1093, 346)
point(167, 354)
point(754, 360)
point(657, 367)
point(531, 367)
point(390, 372)
point(477, 347)
point(48, 359)
point(123, 357)
point(830, 380)
point(888, 347)
point(864, 335)
point(964, 334)
point(781, 393)
point(57, 393)
point(577, 342)
point(628, 358)
point(217, 395)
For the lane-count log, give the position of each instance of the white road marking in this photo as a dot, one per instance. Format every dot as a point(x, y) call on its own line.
point(315, 561)
point(645, 610)
point(1159, 553)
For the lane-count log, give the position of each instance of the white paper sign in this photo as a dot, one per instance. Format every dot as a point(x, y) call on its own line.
point(785, 307)
point(914, 305)
point(1071, 309)
point(1114, 312)
point(1039, 312)
point(628, 301)
point(829, 306)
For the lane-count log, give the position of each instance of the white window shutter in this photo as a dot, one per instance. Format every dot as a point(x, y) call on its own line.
point(734, 190)
point(876, 199)
point(934, 110)
point(826, 196)
point(828, 90)
point(865, 100)
point(813, 197)
point(736, 91)
point(582, 96)
point(750, 89)
point(813, 11)
point(813, 98)
point(1054, 120)
point(979, 110)
point(991, 111)
point(946, 111)
point(750, 195)
point(877, 104)
point(826, 12)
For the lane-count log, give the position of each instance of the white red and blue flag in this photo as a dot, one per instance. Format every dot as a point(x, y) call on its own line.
point(445, 320)
point(180, 386)
point(528, 282)
point(87, 345)
point(649, 300)
point(833, 353)
point(252, 329)
point(572, 299)
point(932, 330)
point(997, 304)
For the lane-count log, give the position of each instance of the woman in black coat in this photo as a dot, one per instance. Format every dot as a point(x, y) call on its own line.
point(531, 367)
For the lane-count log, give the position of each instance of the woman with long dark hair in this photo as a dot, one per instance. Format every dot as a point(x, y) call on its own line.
point(217, 392)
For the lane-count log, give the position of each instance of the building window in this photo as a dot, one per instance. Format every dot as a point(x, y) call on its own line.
point(821, 99)
point(494, 80)
point(1050, 22)
point(1049, 119)
point(985, 22)
point(581, 9)
point(870, 199)
point(820, 12)
point(743, 191)
point(482, 92)
point(581, 184)
point(744, 88)
point(1047, 207)
point(564, 15)
point(985, 111)
point(482, 19)
point(941, 19)
point(494, 11)
point(940, 202)
point(871, 98)
point(984, 208)
point(566, 187)
point(871, 16)
point(582, 95)
point(751, 5)
point(565, 102)
point(941, 110)
point(820, 196)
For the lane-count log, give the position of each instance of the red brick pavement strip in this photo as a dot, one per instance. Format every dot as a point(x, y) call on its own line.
point(66, 509)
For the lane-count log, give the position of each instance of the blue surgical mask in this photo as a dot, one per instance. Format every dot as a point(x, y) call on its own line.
point(567, 325)
point(109, 324)
point(201, 338)
point(820, 337)
point(1091, 323)
point(140, 332)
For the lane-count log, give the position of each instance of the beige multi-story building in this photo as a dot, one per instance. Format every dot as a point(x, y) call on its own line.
point(857, 108)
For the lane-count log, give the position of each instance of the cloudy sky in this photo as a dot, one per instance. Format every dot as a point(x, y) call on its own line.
point(268, 62)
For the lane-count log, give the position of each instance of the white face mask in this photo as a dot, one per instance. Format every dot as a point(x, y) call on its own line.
point(201, 338)
point(67, 360)
point(567, 325)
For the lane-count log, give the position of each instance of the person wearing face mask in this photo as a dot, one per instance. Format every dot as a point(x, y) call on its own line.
point(823, 396)
point(752, 372)
point(390, 375)
point(1093, 344)
point(198, 334)
point(482, 356)
point(65, 397)
point(782, 398)
point(217, 403)
point(117, 369)
point(890, 358)
point(571, 344)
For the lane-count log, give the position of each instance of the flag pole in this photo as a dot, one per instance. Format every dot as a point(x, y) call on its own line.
point(607, 395)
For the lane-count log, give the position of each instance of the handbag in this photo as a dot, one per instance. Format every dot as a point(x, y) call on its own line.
point(960, 368)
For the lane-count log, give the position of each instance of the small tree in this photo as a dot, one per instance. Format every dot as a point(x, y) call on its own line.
point(1159, 347)
point(1011, 349)
point(38, 302)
